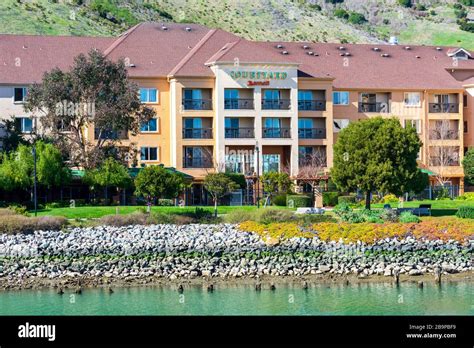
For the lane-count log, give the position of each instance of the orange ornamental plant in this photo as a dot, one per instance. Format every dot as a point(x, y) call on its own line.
point(430, 228)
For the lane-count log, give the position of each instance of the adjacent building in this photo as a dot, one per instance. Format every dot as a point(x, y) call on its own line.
point(222, 101)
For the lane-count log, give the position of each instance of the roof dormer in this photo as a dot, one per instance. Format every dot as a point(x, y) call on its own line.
point(459, 53)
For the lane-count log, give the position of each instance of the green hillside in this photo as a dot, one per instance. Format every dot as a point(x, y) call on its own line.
point(434, 22)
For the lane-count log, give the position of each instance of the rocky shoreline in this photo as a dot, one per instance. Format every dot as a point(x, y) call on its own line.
point(205, 254)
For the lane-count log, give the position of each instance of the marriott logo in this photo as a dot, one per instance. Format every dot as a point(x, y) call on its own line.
point(37, 331)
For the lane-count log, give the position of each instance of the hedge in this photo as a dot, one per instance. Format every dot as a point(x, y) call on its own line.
point(299, 201)
point(465, 212)
point(330, 198)
point(346, 199)
point(279, 200)
point(12, 224)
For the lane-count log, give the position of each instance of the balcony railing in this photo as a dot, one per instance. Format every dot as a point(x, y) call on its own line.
point(450, 134)
point(197, 162)
point(276, 133)
point(197, 133)
point(312, 133)
point(373, 107)
point(443, 162)
point(309, 161)
point(197, 104)
point(444, 108)
point(312, 105)
point(276, 104)
point(243, 132)
point(238, 104)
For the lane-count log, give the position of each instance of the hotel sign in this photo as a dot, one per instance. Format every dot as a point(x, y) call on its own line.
point(258, 75)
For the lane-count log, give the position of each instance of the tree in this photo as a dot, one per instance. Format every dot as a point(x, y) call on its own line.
point(405, 3)
point(312, 170)
point(468, 165)
point(155, 182)
point(377, 155)
point(110, 174)
point(275, 182)
point(16, 168)
point(218, 185)
point(94, 92)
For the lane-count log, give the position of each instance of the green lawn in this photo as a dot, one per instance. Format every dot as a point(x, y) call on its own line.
point(90, 212)
point(438, 208)
point(442, 204)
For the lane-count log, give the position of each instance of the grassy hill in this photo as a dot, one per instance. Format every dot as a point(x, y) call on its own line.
point(308, 20)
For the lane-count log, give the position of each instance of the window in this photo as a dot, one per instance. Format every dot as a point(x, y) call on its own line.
point(232, 123)
point(25, 124)
point(340, 98)
point(305, 123)
point(271, 163)
point(464, 100)
point(19, 94)
point(150, 126)
point(466, 129)
point(272, 94)
point(414, 123)
point(148, 95)
point(412, 99)
point(340, 124)
point(305, 95)
point(304, 152)
point(231, 99)
point(149, 153)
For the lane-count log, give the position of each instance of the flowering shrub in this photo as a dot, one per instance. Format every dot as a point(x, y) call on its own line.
point(390, 198)
point(282, 230)
point(407, 216)
point(430, 228)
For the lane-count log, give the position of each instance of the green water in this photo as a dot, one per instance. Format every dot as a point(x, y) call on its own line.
point(363, 299)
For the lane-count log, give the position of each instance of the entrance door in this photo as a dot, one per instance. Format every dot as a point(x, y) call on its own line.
point(192, 127)
point(272, 127)
point(231, 98)
point(193, 99)
point(305, 128)
point(271, 99)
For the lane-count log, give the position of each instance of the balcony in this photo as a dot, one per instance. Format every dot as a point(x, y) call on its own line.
point(238, 104)
point(197, 104)
point(311, 162)
point(443, 108)
point(276, 104)
point(197, 162)
point(242, 133)
point(449, 134)
point(440, 161)
point(312, 133)
point(197, 133)
point(373, 107)
point(311, 105)
point(276, 133)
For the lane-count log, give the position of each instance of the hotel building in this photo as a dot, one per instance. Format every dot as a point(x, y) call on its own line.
point(219, 97)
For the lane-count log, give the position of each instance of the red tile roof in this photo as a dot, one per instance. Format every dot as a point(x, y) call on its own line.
point(24, 58)
point(160, 50)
